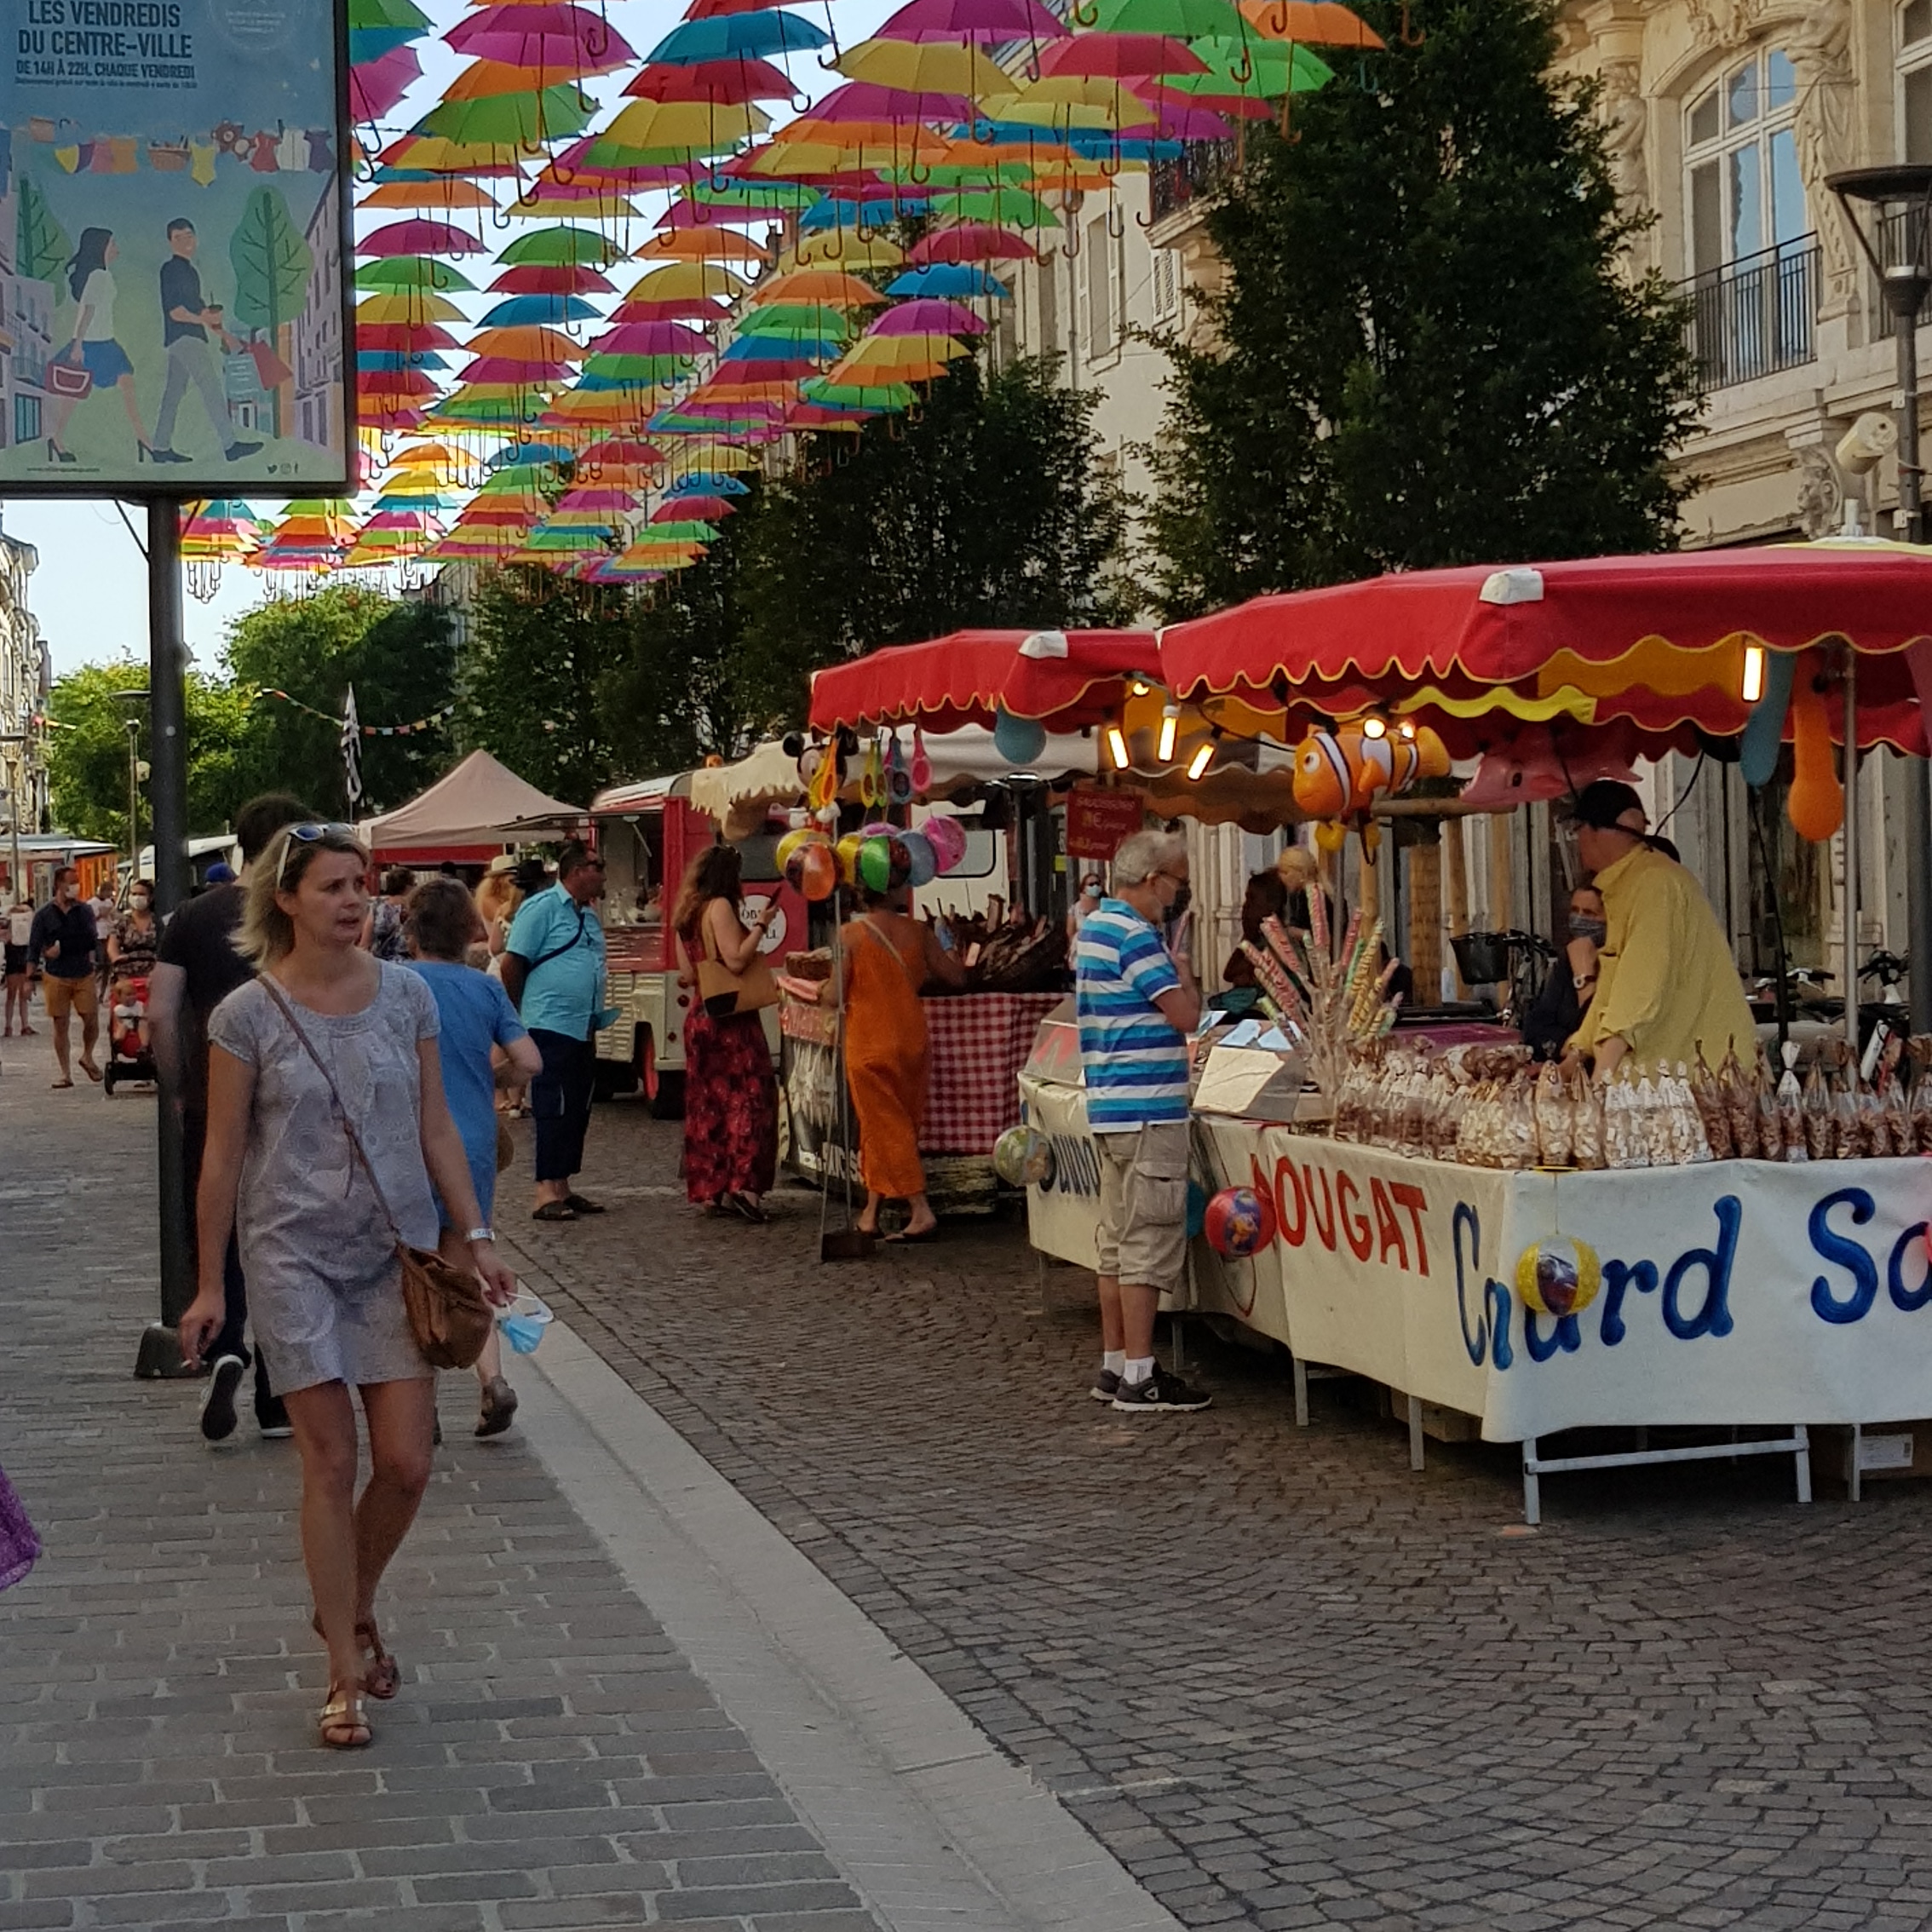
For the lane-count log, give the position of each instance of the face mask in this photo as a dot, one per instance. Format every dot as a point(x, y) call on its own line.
point(523, 1323)
point(139, 905)
point(1582, 926)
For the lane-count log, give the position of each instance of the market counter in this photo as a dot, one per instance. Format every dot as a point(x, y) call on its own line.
point(1734, 1292)
point(978, 1043)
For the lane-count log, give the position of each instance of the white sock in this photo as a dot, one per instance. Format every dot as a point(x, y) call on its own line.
point(1113, 1361)
point(1137, 1372)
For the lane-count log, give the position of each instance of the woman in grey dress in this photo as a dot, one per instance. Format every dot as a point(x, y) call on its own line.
point(325, 1284)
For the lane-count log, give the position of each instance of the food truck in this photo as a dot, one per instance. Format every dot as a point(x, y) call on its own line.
point(648, 833)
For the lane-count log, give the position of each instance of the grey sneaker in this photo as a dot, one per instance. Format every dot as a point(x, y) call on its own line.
point(1107, 1386)
point(1159, 1391)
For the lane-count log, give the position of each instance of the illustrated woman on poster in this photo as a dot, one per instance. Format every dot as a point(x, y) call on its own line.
point(94, 348)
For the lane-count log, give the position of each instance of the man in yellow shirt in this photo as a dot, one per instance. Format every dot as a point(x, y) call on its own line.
point(1666, 981)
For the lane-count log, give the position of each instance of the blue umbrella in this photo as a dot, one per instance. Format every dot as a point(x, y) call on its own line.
point(755, 35)
point(515, 311)
point(951, 279)
point(709, 483)
point(399, 359)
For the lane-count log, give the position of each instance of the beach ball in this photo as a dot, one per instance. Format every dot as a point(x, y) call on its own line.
point(925, 866)
point(848, 858)
point(878, 828)
point(1018, 740)
point(791, 850)
point(1238, 1221)
point(947, 838)
point(1558, 1276)
point(884, 863)
point(1022, 1156)
point(818, 872)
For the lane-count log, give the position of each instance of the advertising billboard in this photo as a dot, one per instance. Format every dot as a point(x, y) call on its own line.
point(174, 309)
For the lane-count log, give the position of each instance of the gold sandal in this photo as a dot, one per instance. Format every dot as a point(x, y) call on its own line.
point(382, 1676)
point(343, 1713)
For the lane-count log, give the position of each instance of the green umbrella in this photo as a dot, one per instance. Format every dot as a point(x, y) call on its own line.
point(410, 271)
point(527, 119)
point(678, 533)
point(718, 192)
point(855, 396)
point(797, 321)
point(1004, 207)
point(562, 247)
point(1263, 68)
point(635, 368)
point(1184, 20)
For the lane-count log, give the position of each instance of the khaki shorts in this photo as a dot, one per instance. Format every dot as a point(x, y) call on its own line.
point(64, 996)
point(1143, 1205)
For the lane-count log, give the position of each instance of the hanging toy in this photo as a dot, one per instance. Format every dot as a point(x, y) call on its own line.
point(1558, 1275)
point(871, 777)
point(822, 789)
point(947, 838)
point(899, 779)
point(1323, 782)
point(1816, 802)
point(921, 765)
point(1764, 730)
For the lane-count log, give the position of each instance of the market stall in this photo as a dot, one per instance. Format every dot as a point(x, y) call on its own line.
point(1523, 1255)
point(475, 810)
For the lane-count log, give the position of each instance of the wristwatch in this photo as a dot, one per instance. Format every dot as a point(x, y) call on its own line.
point(1579, 981)
point(480, 1235)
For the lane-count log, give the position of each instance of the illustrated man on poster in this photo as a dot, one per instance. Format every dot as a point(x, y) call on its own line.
point(185, 320)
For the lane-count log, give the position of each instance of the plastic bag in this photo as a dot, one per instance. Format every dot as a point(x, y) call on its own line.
point(1739, 1090)
point(1820, 1123)
point(1713, 1115)
point(1586, 1115)
point(1653, 1109)
point(1556, 1119)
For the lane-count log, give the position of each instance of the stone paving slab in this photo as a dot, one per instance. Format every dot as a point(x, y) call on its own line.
point(1286, 1681)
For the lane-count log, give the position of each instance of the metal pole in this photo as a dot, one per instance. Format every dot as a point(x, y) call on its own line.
point(160, 1351)
point(133, 800)
point(1850, 961)
point(1918, 779)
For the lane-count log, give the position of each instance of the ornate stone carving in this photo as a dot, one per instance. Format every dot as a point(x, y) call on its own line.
point(1819, 42)
point(1626, 117)
point(1820, 491)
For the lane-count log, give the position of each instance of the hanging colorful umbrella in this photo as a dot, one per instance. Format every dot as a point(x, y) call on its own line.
point(566, 245)
point(988, 22)
point(376, 86)
point(729, 83)
point(715, 243)
point(447, 194)
point(547, 42)
point(971, 241)
point(948, 280)
point(418, 237)
point(755, 35)
point(928, 317)
point(1318, 23)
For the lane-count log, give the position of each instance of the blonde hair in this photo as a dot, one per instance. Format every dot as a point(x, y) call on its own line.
point(266, 933)
point(1298, 868)
point(498, 895)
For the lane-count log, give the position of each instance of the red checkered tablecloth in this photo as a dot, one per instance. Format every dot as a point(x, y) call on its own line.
point(979, 1042)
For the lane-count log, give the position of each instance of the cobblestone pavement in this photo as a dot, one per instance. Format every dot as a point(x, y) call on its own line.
point(1286, 1681)
point(552, 1761)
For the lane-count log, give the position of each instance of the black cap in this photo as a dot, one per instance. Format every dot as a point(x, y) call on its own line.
point(1609, 805)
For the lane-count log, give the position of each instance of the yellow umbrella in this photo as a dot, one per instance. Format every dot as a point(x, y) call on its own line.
point(417, 306)
point(448, 193)
point(845, 248)
point(704, 454)
point(683, 124)
point(678, 280)
point(1072, 101)
point(902, 352)
point(924, 66)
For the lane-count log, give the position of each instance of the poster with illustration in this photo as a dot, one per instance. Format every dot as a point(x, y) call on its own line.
point(172, 299)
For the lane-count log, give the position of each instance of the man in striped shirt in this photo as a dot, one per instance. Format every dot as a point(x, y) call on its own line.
point(1137, 1001)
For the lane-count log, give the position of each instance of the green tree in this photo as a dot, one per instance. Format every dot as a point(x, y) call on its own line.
point(537, 674)
point(271, 264)
point(1431, 349)
point(984, 508)
point(87, 750)
point(41, 247)
point(397, 654)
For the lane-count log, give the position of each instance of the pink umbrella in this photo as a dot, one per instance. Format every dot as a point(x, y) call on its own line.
point(706, 509)
point(376, 86)
point(551, 40)
point(986, 21)
point(970, 241)
point(1177, 123)
point(928, 316)
point(1116, 56)
point(418, 237)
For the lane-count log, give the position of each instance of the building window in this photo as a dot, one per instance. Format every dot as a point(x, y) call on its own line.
point(1746, 193)
point(1102, 334)
point(1915, 80)
point(1167, 280)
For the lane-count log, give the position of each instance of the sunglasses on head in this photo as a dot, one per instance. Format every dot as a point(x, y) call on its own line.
point(308, 835)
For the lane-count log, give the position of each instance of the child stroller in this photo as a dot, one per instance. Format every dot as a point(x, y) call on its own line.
point(129, 1057)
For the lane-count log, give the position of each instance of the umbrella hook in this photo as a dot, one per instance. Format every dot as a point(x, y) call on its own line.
point(1410, 36)
point(1070, 247)
point(1143, 223)
point(1112, 172)
point(1245, 73)
point(1116, 222)
point(1083, 14)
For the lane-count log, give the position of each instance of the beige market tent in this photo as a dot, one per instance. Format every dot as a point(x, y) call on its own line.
point(480, 805)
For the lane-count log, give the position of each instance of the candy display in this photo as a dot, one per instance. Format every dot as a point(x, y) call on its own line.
point(1327, 999)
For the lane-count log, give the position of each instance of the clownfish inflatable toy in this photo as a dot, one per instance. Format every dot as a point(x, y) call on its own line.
point(1337, 774)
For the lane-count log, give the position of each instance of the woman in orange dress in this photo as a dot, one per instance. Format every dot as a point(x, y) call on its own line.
point(889, 956)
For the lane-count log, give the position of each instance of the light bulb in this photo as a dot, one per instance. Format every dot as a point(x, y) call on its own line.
point(1752, 686)
point(1375, 726)
point(1203, 757)
point(1169, 724)
point(1117, 747)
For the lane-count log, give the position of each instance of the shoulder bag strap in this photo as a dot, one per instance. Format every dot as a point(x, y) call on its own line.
point(899, 957)
point(558, 952)
point(266, 982)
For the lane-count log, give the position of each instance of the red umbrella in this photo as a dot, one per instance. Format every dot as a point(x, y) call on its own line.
point(969, 241)
point(1065, 679)
point(418, 237)
point(730, 83)
point(1120, 56)
point(652, 338)
point(551, 278)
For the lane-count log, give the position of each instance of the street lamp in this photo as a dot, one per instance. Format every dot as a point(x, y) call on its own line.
point(133, 724)
point(1890, 213)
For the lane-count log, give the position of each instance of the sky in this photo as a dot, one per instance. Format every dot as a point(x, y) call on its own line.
point(90, 590)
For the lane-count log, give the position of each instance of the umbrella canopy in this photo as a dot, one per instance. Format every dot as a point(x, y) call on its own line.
point(989, 22)
point(755, 35)
point(1069, 679)
point(730, 83)
point(547, 42)
point(1320, 23)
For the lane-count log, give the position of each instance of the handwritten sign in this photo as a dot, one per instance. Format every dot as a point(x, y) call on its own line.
point(1097, 820)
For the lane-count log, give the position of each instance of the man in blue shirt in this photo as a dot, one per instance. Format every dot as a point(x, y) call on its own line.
point(553, 973)
point(1137, 1001)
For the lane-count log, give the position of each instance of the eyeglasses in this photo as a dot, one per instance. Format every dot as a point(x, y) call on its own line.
point(308, 834)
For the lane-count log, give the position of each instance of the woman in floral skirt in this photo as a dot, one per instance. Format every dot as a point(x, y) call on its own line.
point(730, 1096)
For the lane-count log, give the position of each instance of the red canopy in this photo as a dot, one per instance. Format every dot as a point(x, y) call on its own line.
point(1656, 640)
point(1065, 679)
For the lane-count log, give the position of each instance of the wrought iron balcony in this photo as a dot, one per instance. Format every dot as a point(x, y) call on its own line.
point(1754, 316)
point(1204, 165)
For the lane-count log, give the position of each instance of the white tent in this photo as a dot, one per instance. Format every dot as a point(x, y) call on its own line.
point(481, 802)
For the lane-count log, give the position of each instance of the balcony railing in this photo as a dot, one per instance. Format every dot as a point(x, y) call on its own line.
point(1204, 165)
point(1754, 316)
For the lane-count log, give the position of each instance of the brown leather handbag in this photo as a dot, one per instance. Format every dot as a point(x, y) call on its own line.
point(724, 992)
point(448, 1314)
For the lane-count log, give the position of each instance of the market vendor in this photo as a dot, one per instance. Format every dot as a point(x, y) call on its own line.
point(1266, 898)
point(1571, 983)
point(1667, 986)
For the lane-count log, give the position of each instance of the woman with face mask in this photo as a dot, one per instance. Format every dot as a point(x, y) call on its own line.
point(1559, 1008)
point(132, 942)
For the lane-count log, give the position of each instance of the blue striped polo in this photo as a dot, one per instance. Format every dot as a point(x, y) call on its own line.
point(1135, 1063)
